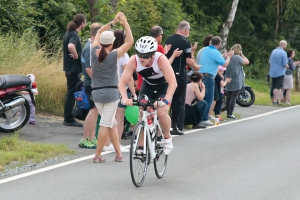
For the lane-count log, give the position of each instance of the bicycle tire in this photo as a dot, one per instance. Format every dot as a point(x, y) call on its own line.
point(160, 162)
point(138, 163)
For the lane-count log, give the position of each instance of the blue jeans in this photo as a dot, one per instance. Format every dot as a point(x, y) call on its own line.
point(209, 82)
point(193, 114)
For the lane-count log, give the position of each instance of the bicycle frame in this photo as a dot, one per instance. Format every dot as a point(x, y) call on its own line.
point(150, 135)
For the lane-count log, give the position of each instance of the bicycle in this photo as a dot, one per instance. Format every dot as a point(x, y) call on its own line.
point(147, 144)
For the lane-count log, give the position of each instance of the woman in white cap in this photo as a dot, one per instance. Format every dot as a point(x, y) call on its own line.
point(105, 92)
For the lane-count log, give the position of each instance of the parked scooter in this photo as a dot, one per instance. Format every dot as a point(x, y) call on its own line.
point(14, 108)
point(245, 98)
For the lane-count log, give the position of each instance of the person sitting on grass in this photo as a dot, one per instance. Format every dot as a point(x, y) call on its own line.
point(194, 112)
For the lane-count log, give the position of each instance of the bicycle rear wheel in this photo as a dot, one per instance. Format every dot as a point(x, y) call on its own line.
point(160, 162)
point(138, 160)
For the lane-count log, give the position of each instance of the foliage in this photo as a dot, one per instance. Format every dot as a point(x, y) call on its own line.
point(23, 56)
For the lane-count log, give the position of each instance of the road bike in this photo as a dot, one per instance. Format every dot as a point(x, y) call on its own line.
point(147, 144)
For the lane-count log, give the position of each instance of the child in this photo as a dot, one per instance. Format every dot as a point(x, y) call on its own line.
point(28, 98)
point(219, 89)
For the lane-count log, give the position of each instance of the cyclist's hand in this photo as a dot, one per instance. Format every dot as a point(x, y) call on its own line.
point(127, 102)
point(159, 104)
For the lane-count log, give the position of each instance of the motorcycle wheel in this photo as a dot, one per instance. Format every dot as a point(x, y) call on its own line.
point(15, 118)
point(223, 108)
point(246, 97)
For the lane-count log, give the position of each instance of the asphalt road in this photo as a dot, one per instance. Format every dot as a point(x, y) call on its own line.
point(250, 158)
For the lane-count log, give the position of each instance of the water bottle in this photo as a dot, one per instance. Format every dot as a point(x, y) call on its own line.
point(217, 120)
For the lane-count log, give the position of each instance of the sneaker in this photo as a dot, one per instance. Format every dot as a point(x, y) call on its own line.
point(140, 150)
point(168, 146)
point(199, 126)
point(213, 118)
point(207, 123)
point(94, 141)
point(85, 143)
point(119, 158)
point(99, 159)
point(109, 148)
point(288, 103)
point(231, 117)
point(123, 149)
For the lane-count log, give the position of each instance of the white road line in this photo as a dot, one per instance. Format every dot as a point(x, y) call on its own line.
point(128, 146)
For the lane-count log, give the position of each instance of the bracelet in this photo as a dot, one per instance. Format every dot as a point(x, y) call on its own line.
point(165, 101)
point(111, 25)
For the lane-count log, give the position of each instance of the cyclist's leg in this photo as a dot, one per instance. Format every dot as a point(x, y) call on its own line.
point(165, 120)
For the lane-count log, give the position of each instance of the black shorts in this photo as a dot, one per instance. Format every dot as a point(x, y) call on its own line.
point(278, 82)
point(88, 91)
point(153, 92)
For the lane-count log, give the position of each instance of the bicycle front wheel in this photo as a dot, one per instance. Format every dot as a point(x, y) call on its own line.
point(160, 161)
point(138, 160)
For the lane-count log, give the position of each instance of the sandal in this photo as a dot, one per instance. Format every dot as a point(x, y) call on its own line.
point(99, 159)
point(119, 158)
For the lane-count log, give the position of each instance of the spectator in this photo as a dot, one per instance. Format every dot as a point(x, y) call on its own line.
point(278, 65)
point(88, 139)
point(288, 77)
point(157, 33)
point(28, 98)
point(122, 62)
point(179, 41)
point(220, 83)
point(206, 43)
point(210, 59)
point(72, 49)
point(105, 92)
point(235, 72)
point(194, 113)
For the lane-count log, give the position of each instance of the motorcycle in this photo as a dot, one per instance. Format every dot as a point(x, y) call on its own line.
point(14, 108)
point(245, 98)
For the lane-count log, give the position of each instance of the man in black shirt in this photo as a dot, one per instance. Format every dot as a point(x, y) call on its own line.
point(72, 50)
point(178, 40)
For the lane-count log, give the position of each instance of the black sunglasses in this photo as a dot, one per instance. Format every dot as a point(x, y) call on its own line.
point(144, 55)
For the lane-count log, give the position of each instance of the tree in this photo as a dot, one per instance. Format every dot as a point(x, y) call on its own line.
point(227, 25)
point(94, 11)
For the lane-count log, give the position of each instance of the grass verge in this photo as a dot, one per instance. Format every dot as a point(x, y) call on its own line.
point(262, 93)
point(15, 152)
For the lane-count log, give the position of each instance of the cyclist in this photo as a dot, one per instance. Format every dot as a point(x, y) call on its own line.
point(158, 76)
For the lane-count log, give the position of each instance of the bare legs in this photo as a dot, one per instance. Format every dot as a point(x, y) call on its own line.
point(120, 121)
point(90, 124)
point(103, 136)
point(164, 120)
point(277, 95)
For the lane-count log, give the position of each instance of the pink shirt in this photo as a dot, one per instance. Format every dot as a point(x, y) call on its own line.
point(190, 95)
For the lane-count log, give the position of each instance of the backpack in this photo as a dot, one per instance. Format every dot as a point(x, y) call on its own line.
point(82, 106)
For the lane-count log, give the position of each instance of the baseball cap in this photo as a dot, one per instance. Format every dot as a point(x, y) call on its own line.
point(107, 37)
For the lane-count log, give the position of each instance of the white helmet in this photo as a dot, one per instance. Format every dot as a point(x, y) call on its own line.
point(146, 44)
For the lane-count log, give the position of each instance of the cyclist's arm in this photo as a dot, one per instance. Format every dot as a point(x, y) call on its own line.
point(165, 67)
point(126, 77)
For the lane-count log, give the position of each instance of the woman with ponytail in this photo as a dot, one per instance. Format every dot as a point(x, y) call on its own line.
point(105, 92)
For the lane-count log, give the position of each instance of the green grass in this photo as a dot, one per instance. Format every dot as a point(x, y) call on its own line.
point(23, 55)
point(16, 152)
point(262, 93)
